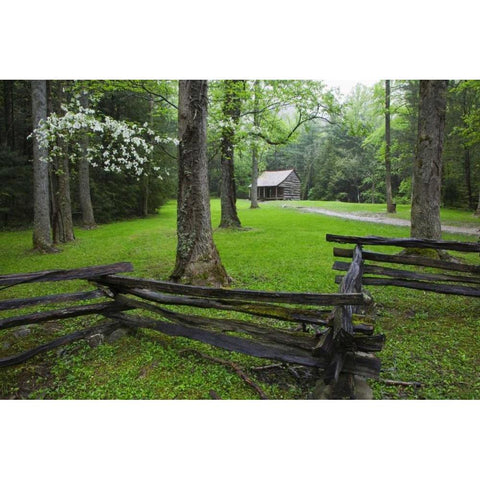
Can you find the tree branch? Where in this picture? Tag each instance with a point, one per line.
(155, 94)
(167, 153)
(299, 123)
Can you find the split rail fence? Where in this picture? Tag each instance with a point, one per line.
(327, 330)
(430, 274)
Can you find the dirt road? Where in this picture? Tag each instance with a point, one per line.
(379, 218)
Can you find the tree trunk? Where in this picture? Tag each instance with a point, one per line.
(253, 190)
(146, 175)
(197, 261)
(9, 119)
(309, 178)
(468, 177)
(477, 212)
(231, 114)
(41, 212)
(64, 202)
(55, 218)
(62, 221)
(374, 190)
(427, 166)
(145, 194)
(88, 219)
(391, 208)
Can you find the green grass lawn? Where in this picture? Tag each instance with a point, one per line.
(432, 339)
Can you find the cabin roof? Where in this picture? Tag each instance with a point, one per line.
(273, 178)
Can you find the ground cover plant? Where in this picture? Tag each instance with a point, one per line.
(431, 339)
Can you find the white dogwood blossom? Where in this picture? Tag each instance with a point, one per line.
(113, 145)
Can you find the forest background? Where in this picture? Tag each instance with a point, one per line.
(335, 142)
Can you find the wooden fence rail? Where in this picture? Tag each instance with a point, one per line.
(88, 273)
(406, 243)
(74, 310)
(331, 299)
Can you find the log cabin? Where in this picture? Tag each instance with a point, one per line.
(278, 185)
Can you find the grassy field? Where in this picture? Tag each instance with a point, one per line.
(431, 339)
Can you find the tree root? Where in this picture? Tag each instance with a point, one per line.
(267, 367)
(233, 366)
(401, 383)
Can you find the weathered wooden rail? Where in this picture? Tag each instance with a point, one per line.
(341, 344)
(73, 310)
(435, 276)
(436, 273)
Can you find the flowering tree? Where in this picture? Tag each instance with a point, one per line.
(113, 145)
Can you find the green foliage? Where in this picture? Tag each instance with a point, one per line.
(461, 158)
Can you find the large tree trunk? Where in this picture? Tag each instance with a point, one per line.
(197, 261)
(41, 212)
(427, 166)
(88, 219)
(391, 208)
(253, 190)
(231, 113)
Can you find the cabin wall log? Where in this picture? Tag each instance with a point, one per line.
(291, 187)
(288, 189)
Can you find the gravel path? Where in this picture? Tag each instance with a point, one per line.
(378, 218)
